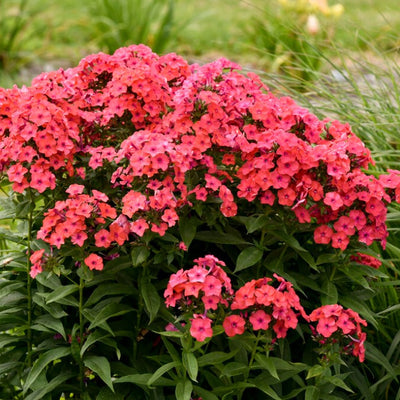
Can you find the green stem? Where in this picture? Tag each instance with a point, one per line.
(251, 362)
(253, 353)
(138, 315)
(81, 327)
(333, 272)
(29, 286)
(279, 266)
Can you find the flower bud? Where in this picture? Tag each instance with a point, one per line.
(312, 25)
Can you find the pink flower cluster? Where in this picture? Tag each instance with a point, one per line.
(150, 121)
(206, 281)
(203, 289)
(334, 318)
(269, 305)
(75, 217)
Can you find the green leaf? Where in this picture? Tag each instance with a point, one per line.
(142, 379)
(108, 289)
(151, 299)
(139, 255)
(268, 364)
(329, 293)
(312, 393)
(335, 380)
(5, 340)
(219, 238)
(268, 390)
(101, 367)
(214, 358)
(254, 224)
(49, 387)
(161, 371)
(190, 363)
(373, 354)
(9, 288)
(204, 394)
(292, 242)
(94, 337)
(315, 370)
(50, 322)
(248, 257)
(9, 366)
(42, 362)
(329, 258)
(23, 208)
(171, 349)
(61, 293)
(234, 368)
(187, 229)
(176, 334)
(109, 311)
(49, 280)
(53, 309)
(107, 394)
(183, 390)
(10, 320)
(233, 387)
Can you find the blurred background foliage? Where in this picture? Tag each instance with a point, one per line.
(37, 35)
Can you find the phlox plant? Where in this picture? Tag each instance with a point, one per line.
(177, 231)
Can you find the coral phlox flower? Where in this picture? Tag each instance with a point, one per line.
(333, 200)
(323, 234)
(326, 326)
(200, 327)
(197, 274)
(234, 325)
(260, 320)
(93, 261)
